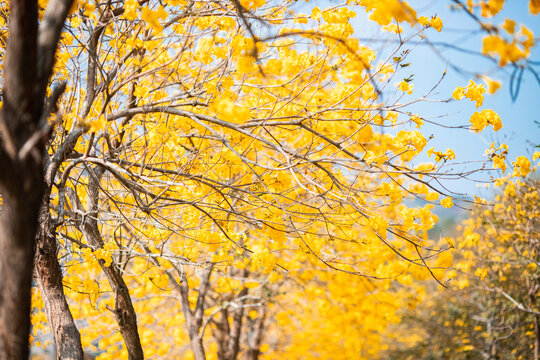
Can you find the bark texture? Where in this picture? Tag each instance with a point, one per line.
(24, 132)
(49, 276)
(21, 180)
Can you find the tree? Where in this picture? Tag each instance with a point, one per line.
(28, 65)
(492, 313)
(188, 162)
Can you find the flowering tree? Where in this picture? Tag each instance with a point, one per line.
(193, 162)
(492, 313)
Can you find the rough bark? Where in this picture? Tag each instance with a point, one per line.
(17, 231)
(23, 135)
(20, 181)
(49, 277)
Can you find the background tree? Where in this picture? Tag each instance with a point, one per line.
(492, 314)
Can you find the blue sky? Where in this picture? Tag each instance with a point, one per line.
(519, 129)
(519, 132)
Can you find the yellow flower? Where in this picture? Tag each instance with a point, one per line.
(475, 92)
(509, 25)
(458, 93)
(534, 6)
(449, 154)
(480, 120)
(499, 162)
(130, 9)
(417, 120)
(97, 124)
(447, 202)
(316, 13)
(491, 7)
(522, 166)
(424, 21)
(152, 18)
(493, 85)
(253, 314)
(405, 87)
(481, 273)
(436, 23)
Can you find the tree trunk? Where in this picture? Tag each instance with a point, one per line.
(124, 312)
(17, 232)
(194, 318)
(21, 180)
(49, 276)
(255, 337)
(28, 64)
(197, 348)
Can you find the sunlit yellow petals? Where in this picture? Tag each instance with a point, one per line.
(534, 6)
(493, 85)
(439, 155)
(481, 273)
(480, 120)
(97, 124)
(473, 91)
(251, 284)
(445, 259)
(253, 314)
(417, 120)
(491, 7)
(459, 93)
(252, 4)
(509, 25)
(230, 111)
(316, 13)
(153, 18)
(301, 20)
(384, 11)
(130, 9)
(522, 166)
(406, 87)
(447, 202)
(436, 23)
(424, 21)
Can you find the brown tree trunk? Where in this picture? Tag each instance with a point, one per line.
(27, 68)
(49, 277)
(255, 337)
(17, 232)
(124, 312)
(228, 335)
(21, 180)
(194, 318)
